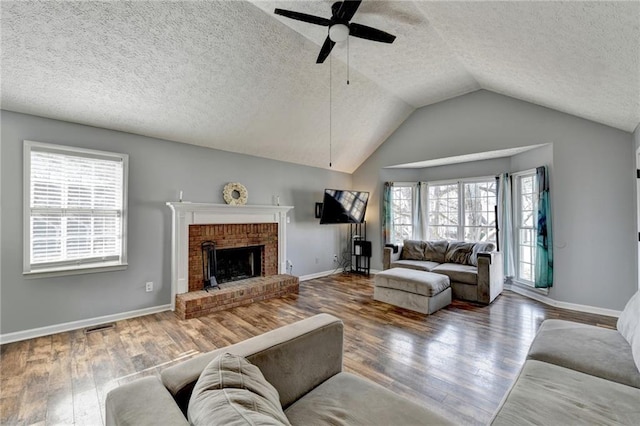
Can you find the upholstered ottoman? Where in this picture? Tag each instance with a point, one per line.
(419, 291)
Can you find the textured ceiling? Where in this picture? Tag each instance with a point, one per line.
(232, 75)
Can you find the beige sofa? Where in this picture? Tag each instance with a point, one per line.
(474, 269)
(574, 374)
(579, 374)
(302, 361)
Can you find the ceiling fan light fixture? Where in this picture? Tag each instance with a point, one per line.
(338, 32)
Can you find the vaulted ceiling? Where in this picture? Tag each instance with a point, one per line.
(234, 76)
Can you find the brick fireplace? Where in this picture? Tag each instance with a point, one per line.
(227, 236)
(229, 227)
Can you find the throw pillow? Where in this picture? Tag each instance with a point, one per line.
(459, 252)
(232, 391)
(413, 250)
(635, 348)
(435, 250)
(479, 248)
(629, 319)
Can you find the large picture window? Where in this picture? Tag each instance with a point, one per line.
(463, 210)
(75, 209)
(479, 210)
(443, 211)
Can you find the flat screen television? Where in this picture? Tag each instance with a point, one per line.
(343, 206)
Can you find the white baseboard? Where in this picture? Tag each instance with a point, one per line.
(327, 273)
(74, 325)
(320, 274)
(564, 305)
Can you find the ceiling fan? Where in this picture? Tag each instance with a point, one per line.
(339, 26)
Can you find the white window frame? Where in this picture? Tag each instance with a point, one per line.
(517, 216)
(78, 266)
(461, 216)
(393, 224)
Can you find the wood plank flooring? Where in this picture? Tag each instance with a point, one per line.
(459, 362)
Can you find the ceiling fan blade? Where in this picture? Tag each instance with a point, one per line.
(348, 9)
(326, 49)
(303, 17)
(362, 31)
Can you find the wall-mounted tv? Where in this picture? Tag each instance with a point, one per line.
(343, 206)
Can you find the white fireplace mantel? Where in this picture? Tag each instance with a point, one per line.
(185, 214)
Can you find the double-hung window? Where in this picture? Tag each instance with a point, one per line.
(525, 211)
(75, 209)
(401, 213)
(462, 210)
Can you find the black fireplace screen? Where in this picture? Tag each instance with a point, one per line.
(231, 264)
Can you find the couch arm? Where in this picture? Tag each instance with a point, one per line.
(388, 256)
(142, 402)
(490, 276)
(294, 359)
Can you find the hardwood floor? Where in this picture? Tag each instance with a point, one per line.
(459, 362)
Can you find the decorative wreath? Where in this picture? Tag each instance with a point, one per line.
(235, 194)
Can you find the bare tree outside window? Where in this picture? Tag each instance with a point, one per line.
(479, 211)
(401, 214)
(443, 211)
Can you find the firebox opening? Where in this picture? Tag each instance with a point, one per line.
(240, 263)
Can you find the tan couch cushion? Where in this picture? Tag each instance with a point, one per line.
(460, 273)
(546, 394)
(459, 252)
(435, 250)
(412, 281)
(420, 265)
(597, 351)
(412, 250)
(346, 399)
(231, 390)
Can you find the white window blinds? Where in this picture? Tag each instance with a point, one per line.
(76, 206)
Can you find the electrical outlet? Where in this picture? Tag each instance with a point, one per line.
(149, 286)
(335, 258)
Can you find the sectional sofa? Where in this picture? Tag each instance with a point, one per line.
(474, 269)
(574, 374)
(579, 374)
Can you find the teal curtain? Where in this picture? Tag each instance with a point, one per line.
(386, 212)
(506, 238)
(544, 236)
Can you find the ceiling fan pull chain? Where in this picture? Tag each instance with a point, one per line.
(330, 101)
(347, 61)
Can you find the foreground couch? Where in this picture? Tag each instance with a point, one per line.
(302, 361)
(474, 269)
(579, 374)
(574, 374)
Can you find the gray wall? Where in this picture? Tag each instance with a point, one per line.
(158, 169)
(593, 192)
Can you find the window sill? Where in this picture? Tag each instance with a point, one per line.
(74, 270)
